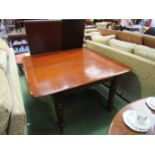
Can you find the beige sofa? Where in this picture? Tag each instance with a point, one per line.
(141, 82)
(12, 112)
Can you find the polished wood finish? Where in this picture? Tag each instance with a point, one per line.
(112, 92)
(129, 37)
(48, 35)
(62, 72)
(44, 35)
(149, 41)
(118, 127)
(59, 109)
(73, 33)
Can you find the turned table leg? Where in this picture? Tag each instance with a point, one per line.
(59, 112)
(112, 92)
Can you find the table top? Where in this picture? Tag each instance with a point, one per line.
(59, 71)
(119, 128)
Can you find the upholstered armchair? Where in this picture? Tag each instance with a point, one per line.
(12, 112)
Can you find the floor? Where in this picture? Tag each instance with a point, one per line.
(85, 112)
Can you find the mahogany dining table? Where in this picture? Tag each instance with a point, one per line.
(61, 72)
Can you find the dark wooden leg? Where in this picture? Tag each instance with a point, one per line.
(59, 112)
(112, 92)
(20, 66)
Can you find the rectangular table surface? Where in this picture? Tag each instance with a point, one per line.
(59, 71)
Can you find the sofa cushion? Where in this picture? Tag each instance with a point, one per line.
(91, 34)
(101, 25)
(145, 52)
(122, 45)
(102, 39)
(5, 103)
(4, 46)
(91, 30)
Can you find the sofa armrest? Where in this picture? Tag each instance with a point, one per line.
(5, 103)
(17, 123)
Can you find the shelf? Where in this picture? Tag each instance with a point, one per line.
(20, 45)
(16, 53)
(90, 26)
(16, 35)
(10, 25)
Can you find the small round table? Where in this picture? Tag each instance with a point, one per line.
(118, 126)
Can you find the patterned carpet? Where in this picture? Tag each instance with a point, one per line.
(85, 112)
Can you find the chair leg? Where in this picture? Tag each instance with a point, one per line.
(20, 67)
